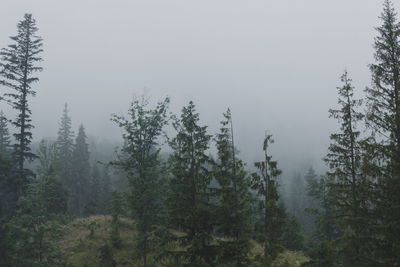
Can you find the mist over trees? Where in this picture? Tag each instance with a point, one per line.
(185, 192)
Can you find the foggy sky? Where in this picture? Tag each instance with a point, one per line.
(276, 64)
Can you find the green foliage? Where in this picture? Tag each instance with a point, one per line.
(47, 155)
(143, 167)
(383, 118)
(37, 225)
(233, 213)
(271, 220)
(17, 66)
(94, 194)
(106, 257)
(189, 203)
(78, 192)
(347, 184)
(5, 141)
(292, 237)
(64, 147)
(117, 210)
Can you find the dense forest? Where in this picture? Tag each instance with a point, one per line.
(184, 196)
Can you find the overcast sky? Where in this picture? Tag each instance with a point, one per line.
(276, 64)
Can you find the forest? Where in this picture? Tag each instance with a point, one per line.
(173, 193)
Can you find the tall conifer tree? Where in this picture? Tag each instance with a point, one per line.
(80, 174)
(234, 211)
(189, 204)
(383, 100)
(65, 145)
(17, 67)
(347, 181)
(272, 214)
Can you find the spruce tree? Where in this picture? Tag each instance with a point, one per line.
(141, 162)
(189, 203)
(383, 116)
(265, 183)
(347, 180)
(17, 67)
(65, 145)
(78, 194)
(234, 211)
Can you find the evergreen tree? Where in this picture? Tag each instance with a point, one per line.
(93, 205)
(292, 237)
(266, 185)
(7, 204)
(78, 194)
(310, 204)
(189, 203)
(47, 155)
(141, 162)
(347, 181)
(324, 251)
(383, 116)
(37, 226)
(65, 145)
(234, 212)
(17, 67)
(5, 142)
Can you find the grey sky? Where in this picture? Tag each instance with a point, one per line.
(275, 63)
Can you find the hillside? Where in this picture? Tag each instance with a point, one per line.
(83, 249)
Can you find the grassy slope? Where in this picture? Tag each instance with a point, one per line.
(82, 249)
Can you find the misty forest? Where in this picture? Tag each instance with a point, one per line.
(171, 191)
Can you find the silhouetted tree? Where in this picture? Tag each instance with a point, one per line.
(17, 66)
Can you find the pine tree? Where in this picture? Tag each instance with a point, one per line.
(17, 66)
(266, 185)
(5, 142)
(141, 162)
(347, 180)
(189, 203)
(234, 212)
(65, 145)
(383, 100)
(78, 194)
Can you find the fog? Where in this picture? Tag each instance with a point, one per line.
(276, 64)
